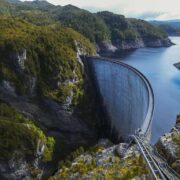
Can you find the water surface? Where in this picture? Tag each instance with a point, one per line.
(157, 65)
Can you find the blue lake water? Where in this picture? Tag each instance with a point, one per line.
(157, 65)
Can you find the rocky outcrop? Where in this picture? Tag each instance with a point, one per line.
(17, 62)
(59, 120)
(18, 59)
(21, 168)
(81, 51)
(105, 161)
(128, 45)
(15, 169)
(169, 146)
(108, 47)
(177, 65)
(9, 87)
(158, 43)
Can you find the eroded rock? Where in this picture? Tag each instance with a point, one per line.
(169, 146)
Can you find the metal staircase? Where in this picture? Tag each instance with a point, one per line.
(156, 163)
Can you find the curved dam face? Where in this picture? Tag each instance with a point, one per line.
(125, 95)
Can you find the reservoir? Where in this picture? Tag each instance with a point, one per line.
(157, 65)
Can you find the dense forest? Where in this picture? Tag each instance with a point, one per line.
(102, 27)
(51, 53)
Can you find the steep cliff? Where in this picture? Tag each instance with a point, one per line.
(169, 146)
(42, 76)
(130, 33)
(111, 32)
(24, 147)
(122, 161)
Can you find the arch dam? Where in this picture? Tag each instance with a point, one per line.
(125, 95)
(127, 99)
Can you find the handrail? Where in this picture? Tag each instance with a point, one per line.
(166, 169)
(165, 163)
(155, 151)
(148, 161)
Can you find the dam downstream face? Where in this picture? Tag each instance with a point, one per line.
(125, 94)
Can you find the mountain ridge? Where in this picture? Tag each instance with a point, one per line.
(117, 33)
(172, 27)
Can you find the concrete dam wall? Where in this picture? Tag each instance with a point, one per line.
(125, 94)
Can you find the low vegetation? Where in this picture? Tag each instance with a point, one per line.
(88, 164)
(20, 135)
(175, 164)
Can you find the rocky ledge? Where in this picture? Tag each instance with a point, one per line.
(107, 47)
(104, 161)
(121, 161)
(177, 65)
(169, 146)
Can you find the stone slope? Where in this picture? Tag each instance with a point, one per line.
(169, 146)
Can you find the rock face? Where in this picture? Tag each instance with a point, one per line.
(169, 146)
(104, 162)
(20, 167)
(159, 43)
(16, 169)
(61, 120)
(128, 45)
(9, 87)
(18, 59)
(107, 47)
(177, 65)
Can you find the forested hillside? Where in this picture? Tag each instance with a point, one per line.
(107, 30)
(41, 83)
(51, 53)
(171, 27)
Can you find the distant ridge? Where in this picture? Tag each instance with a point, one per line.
(13, 1)
(172, 27)
(108, 31)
